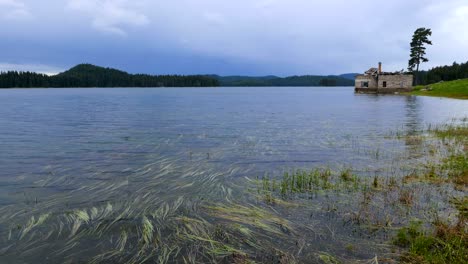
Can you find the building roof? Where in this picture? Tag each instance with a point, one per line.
(396, 73)
(375, 72)
(372, 71)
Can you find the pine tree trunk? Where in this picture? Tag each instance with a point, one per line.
(416, 75)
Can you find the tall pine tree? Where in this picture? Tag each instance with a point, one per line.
(418, 49)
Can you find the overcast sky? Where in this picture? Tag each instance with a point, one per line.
(249, 37)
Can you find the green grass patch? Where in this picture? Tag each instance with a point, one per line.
(453, 89)
(455, 138)
(447, 244)
(302, 181)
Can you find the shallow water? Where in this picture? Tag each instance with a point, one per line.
(126, 153)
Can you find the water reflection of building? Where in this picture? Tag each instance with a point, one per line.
(414, 121)
(413, 126)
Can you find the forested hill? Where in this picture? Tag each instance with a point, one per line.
(306, 80)
(87, 75)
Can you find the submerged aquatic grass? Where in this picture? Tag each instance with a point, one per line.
(388, 200)
(303, 181)
(455, 139)
(169, 213)
(147, 231)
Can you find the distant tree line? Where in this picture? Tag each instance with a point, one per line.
(306, 80)
(443, 73)
(12, 79)
(87, 75)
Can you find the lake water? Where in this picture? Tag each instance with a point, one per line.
(83, 170)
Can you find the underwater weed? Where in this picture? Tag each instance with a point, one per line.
(252, 216)
(147, 230)
(122, 241)
(164, 255)
(406, 197)
(392, 182)
(32, 223)
(461, 204)
(376, 182)
(457, 167)
(328, 259)
(82, 215)
(346, 175)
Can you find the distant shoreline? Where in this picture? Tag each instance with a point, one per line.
(88, 76)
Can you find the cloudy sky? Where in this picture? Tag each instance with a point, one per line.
(250, 37)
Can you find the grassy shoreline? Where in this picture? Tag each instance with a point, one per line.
(427, 236)
(453, 89)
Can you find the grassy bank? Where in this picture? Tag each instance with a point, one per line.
(453, 89)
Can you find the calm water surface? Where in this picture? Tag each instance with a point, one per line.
(128, 152)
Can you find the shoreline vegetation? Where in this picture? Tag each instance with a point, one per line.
(421, 233)
(87, 76)
(457, 89)
(322, 215)
(291, 81)
(444, 81)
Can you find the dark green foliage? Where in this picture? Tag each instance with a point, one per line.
(418, 50)
(328, 82)
(443, 73)
(13, 79)
(307, 80)
(87, 75)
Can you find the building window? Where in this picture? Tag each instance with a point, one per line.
(365, 84)
(384, 84)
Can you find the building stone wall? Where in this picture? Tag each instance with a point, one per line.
(395, 81)
(382, 90)
(371, 80)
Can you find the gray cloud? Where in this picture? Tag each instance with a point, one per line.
(30, 67)
(110, 16)
(232, 37)
(13, 10)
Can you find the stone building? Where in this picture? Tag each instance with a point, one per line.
(376, 81)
